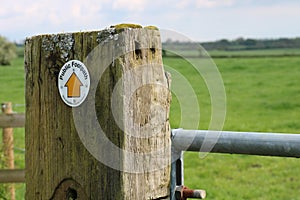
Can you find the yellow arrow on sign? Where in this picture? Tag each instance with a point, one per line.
(73, 85)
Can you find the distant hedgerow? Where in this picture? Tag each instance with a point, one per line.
(8, 51)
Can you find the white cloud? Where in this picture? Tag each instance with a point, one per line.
(52, 10)
(133, 5)
(213, 3)
(183, 3)
(20, 18)
(278, 10)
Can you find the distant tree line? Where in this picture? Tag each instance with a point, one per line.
(251, 44)
(237, 44)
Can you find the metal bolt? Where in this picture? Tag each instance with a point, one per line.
(183, 192)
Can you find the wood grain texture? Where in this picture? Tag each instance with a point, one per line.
(13, 120)
(12, 176)
(136, 122)
(8, 147)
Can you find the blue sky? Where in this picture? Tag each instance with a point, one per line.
(199, 20)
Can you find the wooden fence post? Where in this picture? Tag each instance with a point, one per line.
(68, 157)
(8, 147)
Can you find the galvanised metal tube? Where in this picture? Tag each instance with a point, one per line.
(251, 143)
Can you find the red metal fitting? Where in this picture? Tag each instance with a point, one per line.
(182, 193)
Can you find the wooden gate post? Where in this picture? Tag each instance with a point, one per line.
(122, 151)
(8, 147)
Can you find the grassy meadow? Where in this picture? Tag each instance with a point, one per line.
(263, 95)
(12, 90)
(291, 52)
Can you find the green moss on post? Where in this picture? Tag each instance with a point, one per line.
(121, 27)
(151, 28)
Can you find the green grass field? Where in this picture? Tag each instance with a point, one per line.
(12, 90)
(241, 53)
(263, 94)
(258, 52)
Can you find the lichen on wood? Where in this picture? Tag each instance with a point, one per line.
(106, 34)
(62, 43)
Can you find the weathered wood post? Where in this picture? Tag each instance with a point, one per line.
(116, 144)
(8, 147)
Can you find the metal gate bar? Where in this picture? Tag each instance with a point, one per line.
(251, 143)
